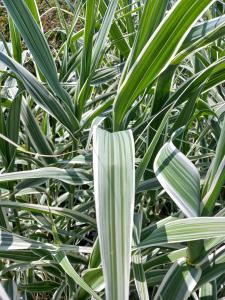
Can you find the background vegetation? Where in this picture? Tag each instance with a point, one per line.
(112, 144)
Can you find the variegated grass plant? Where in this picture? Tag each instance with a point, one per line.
(112, 151)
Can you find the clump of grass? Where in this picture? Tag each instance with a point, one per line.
(112, 150)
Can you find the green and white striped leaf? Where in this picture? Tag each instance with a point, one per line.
(32, 5)
(207, 39)
(202, 29)
(94, 278)
(43, 209)
(155, 277)
(185, 230)
(37, 44)
(167, 258)
(208, 202)
(114, 183)
(116, 33)
(70, 176)
(11, 242)
(179, 178)
(37, 138)
(15, 41)
(137, 260)
(139, 276)
(99, 46)
(179, 282)
(157, 53)
(212, 266)
(215, 176)
(41, 95)
(208, 291)
(153, 13)
(149, 152)
(211, 76)
(67, 267)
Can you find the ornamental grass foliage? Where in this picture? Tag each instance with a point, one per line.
(112, 149)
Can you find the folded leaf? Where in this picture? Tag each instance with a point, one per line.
(179, 178)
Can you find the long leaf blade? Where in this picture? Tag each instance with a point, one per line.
(70, 176)
(113, 155)
(184, 230)
(41, 95)
(36, 43)
(157, 53)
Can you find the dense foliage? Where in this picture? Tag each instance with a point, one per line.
(112, 149)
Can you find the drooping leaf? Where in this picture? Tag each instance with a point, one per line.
(179, 178)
